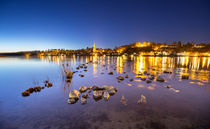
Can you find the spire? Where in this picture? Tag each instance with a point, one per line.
(94, 47)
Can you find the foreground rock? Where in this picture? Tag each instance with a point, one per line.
(85, 96)
(98, 88)
(112, 91)
(83, 89)
(83, 100)
(97, 94)
(73, 96)
(106, 95)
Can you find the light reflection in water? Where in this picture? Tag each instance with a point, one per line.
(196, 67)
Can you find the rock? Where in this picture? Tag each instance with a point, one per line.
(124, 72)
(148, 81)
(85, 70)
(43, 87)
(77, 67)
(85, 67)
(83, 100)
(160, 79)
(106, 95)
(98, 88)
(112, 91)
(72, 101)
(167, 72)
(81, 66)
(81, 75)
(83, 89)
(151, 78)
(30, 90)
(120, 78)
(108, 87)
(50, 84)
(143, 79)
(131, 79)
(85, 96)
(74, 95)
(142, 99)
(46, 81)
(97, 94)
(168, 86)
(90, 87)
(126, 76)
(25, 93)
(37, 88)
(119, 81)
(110, 73)
(185, 76)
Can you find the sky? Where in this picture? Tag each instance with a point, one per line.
(47, 24)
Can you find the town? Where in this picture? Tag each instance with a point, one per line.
(136, 48)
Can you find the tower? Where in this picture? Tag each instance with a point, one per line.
(94, 47)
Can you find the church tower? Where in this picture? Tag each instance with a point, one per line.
(94, 47)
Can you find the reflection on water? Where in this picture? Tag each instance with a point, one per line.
(175, 103)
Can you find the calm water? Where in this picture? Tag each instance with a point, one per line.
(186, 105)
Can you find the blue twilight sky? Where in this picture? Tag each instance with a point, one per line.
(34, 24)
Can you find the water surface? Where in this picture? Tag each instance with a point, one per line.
(183, 106)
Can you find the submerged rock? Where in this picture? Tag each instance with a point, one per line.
(160, 79)
(131, 79)
(123, 101)
(142, 99)
(110, 73)
(106, 95)
(83, 89)
(126, 76)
